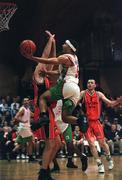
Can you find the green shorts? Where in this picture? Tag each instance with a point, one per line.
(21, 140)
(56, 91)
(68, 134)
(56, 94)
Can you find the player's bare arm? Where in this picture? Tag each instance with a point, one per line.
(109, 102)
(48, 50)
(55, 72)
(48, 47)
(55, 61)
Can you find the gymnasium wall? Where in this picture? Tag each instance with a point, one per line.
(111, 80)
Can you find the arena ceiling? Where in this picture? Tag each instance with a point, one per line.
(75, 19)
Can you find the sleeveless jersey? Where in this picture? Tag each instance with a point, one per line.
(92, 105)
(24, 128)
(57, 110)
(70, 74)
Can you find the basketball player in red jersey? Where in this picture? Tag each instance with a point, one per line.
(92, 100)
(50, 132)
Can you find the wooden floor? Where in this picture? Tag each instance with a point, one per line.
(22, 170)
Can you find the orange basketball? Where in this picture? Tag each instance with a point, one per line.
(28, 47)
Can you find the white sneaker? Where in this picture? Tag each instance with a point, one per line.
(110, 164)
(22, 156)
(75, 155)
(18, 157)
(26, 157)
(101, 168)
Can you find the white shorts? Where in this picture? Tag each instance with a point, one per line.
(72, 91)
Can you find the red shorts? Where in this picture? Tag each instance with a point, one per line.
(48, 131)
(95, 131)
(39, 134)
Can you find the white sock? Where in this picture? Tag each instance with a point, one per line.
(98, 161)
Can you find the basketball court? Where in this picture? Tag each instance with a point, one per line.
(18, 170)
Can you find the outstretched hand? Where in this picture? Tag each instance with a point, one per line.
(26, 55)
(50, 35)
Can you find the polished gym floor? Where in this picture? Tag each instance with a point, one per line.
(22, 170)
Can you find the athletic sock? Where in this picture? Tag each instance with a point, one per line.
(108, 157)
(98, 161)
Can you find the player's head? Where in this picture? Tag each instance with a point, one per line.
(26, 101)
(91, 84)
(70, 46)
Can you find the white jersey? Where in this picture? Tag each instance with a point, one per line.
(70, 74)
(24, 126)
(58, 118)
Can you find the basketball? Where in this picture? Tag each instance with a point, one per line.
(28, 47)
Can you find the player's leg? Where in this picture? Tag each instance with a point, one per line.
(30, 148)
(51, 95)
(99, 133)
(90, 137)
(83, 157)
(19, 143)
(56, 167)
(70, 147)
(46, 157)
(52, 141)
(105, 147)
(71, 94)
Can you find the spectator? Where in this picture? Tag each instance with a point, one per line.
(3, 106)
(8, 100)
(78, 138)
(114, 138)
(8, 117)
(14, 107)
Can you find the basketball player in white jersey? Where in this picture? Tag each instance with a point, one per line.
(25, 136)
(66, 87)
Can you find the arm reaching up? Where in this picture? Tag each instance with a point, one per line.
(40, 68)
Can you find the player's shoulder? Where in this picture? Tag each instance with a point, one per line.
(100, 94)
(22, 108)
(82, 93)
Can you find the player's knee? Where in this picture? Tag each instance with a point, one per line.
(68, 107)
(42, 97)
(91, 144)
(42, 100)
(65, 116)
(102, 143)
(58, 145)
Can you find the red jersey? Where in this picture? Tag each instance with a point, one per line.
(42, 132)
(93, 105)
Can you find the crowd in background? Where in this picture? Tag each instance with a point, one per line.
(110, 118)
